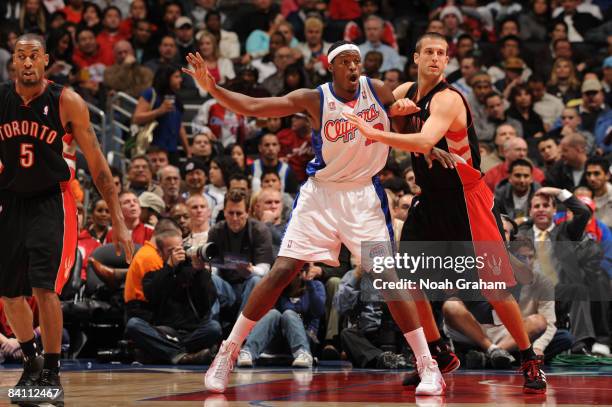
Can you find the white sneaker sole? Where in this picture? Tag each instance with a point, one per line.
(436, 392)
(213, 389)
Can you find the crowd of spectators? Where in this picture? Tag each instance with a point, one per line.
(537, 76)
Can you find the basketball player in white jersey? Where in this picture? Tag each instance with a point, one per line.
(341, 202)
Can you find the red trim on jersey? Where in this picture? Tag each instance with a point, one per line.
(69, 241)
(488, 241)
(45, 86)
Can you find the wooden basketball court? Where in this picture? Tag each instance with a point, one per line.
(91, 384)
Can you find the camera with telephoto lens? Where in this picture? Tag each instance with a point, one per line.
(204, 253)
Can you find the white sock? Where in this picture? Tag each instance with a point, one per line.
(417, 341)
(241, 330)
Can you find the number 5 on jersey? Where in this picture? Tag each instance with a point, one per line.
(26, 155)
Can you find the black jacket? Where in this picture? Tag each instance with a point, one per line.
(560, 176)
(583, 22)
(180, 297)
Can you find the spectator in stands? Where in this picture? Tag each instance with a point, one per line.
(195, 180)
(130, 208)
(258, 42)
(283, 57)
(117, 179)
(514, 148)
(151, 208)
(593, 105)
(74, 10)
(126, 75)
(158, 158)
(496, 115)
(170, 183)
(171, 11)
(295, 319)
(202, 145)
(571, 123)
(521, 109)
(240, 181)
(534, 23)
(229, 46)
(92, 18)
(265, 64)
(372, 63)
(110, 34)
(512, 196)
(269, 150)
(314, 50)
(271, 179)
(236, 151)
(140, 176)
(481, 87)
(179, 297)
(168, 54)
(180, 214)
(452, 18)
(257, 17)
(227, 126)
(220, 68)
(33, 18)
(100, 220)
(549, 151)
(200, 12)
(219, 173)
(89, 54)
(161, 102)
(144, 49)
(355, 30)
(469, 65)
(564, 267)
(465, 46)
(578, 22)
(393, 78)
(184, 35)
(60, 49)
(563, 82)
(10, 349)
(374, 30)
(503, 133)
(199, 221)
(245, 246)
(371, 327)
(568, 173)
(138, 11)
(509, 47)
(294, 78)
(300, 13)
(295, 145)
(268, 210)
(86, 243)
(549, 107)
(404, 203)
(597, 173)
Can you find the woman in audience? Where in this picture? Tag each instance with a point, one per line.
(167, 109)
(236, 151)
(521, 109)
(220, 68)
(33, 18)
(92, 18)
(534, 23)
(59, 48)
(563, 81)
(100, 220)
(221, 168)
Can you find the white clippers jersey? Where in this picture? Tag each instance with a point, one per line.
(341, 153)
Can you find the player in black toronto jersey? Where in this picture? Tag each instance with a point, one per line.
(41, 124)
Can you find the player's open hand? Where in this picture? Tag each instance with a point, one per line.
(200, 72)
(364, 128)
(403, 107)
(123, 239)
(446, 159)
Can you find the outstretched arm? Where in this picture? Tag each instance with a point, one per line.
(443, 112)
(295, 102)
(76, 116)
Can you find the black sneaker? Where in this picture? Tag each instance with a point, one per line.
(475, 359)
(500, 359)
(535, 379)
(51, 379)
(447, 362)
(29, 378)
(390, 360)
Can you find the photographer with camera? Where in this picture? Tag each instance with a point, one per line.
(170, 315)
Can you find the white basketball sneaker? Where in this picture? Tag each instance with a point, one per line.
(432, 383)
(218, 372)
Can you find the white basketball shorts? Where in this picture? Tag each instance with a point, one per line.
(326, 214)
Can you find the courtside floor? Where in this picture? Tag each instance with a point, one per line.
(92, 384)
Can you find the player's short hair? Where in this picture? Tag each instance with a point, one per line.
(32, 37)
(432, 36)
(519, 162)
(601, 162)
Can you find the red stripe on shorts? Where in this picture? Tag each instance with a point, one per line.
(69, 241)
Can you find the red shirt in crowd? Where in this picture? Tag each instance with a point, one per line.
(5, 328)
(108, 40)
(500, 172)
(344, 9)
(103, 56)
(297, 150)
(140, 234)
(86, 244)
